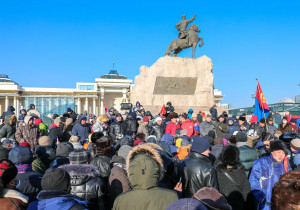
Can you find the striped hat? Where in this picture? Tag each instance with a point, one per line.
(79, 156)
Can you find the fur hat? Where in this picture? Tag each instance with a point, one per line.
(230, 155)
(102, 146)
(8, 171)
(242, 118)
(277, 145)
(295, 144)
(45, 141)
(173, 115)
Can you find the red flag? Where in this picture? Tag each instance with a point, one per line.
(261, 98)
(105, 108)
(163, 111)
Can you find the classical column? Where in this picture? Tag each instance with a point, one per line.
(15, 103)
(18, 108)
(42, 105)
(6, 103)
(94, 106)
(87, 105)
(78, 106)
(101, 98)
(124, 91)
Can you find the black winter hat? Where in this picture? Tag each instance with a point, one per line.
(277, 145)
(56, 179)
(230, 155)
(8, 171)
(241, 137)
(64, 149)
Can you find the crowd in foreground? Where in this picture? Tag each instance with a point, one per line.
(144, 161)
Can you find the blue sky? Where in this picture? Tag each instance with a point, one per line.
(58, 43)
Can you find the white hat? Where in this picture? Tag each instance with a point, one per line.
(157, 119)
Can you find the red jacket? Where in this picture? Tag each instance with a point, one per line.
(171, 128)
(187, 125)
(195, 124)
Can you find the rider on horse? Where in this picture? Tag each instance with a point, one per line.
(182, 27)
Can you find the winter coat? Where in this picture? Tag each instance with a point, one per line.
(158, 131)
(170, 140)
(81, 130)
(205, 127)
(171, 128)
(99, 127)
(183, 151)
(55, 132)
(59, 161)
(247, 156)
(244, 127)
(73, 115)
(296, 158)
(144, 168)
(43, 129)
(214, 113)
(57, 200)
(10, 111)
(13, 200)
(196, 128)
(30, 184)
(103, 165)
(143, 129)
(272, 129)
(86, 184)
(235, 189)
(46, 154)
(187, 125)
(225, 129)
(195, 172)
(199, 118)
(67, 132)
(287, 128)
(117, 129)
(28, 133)
(265, 173)
(130, 124)
(277, 117)
(9, 129)
(34, 113)
(216, 150)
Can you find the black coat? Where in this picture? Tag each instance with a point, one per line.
(214, 113)
(86, 184)
(130, 125)
(10, 111)
(46, 154)
(116, 129)
(55, 131)
(103, 165)
(158, 131)
(196, 172)
(9, 129)
(67, 132)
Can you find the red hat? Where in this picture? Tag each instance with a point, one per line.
(38, 121)
(25, 144)
(137, 142)
(145, 119)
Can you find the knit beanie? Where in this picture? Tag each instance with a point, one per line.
(56, 179)
(295, 144)
(38, 121)
(45, 141)
(200, 144)
(124, 151)
(79, 156)
(241, 137)
(63, 149)
(145, 119)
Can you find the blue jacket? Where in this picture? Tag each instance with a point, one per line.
(190, 112)
(81, 130)
(170, 140)
(265, 173)
(296, 158)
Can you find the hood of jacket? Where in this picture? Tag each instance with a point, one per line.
(10, 108)
(12, 119)
(168, 138)
(23, 110)
(144, 167)
(81, 117)
(27, 118)
(81, 173)
(20, 155)
(9, 193)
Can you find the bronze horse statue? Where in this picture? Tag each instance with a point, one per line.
(191, 40)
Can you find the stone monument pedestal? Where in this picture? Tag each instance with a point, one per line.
(187, 83)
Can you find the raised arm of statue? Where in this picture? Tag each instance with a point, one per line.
(191, 20)
(177, 26)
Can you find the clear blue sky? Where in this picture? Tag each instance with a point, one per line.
(58, 43)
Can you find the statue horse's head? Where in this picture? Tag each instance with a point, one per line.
(194, 27)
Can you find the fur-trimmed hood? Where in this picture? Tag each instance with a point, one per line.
(144, 167)
(230, 155)
(11, 119)
(81, 173)
(9, 193)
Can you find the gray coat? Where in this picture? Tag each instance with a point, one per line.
(205, 127)
(272, 129)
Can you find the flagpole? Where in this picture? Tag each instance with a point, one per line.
(262, 107)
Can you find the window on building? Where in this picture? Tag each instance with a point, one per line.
(86, 87)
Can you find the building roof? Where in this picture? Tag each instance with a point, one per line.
(4, 78)
(113, 74)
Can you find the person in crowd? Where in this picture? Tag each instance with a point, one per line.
(158, 128)
(212, 199)
(74, 140)
(266, 171)
(184, 149)
(288, 116)
(43, 127)
(295, 148)
(173, 125)
(101, 125)
(29, 181)
(138, 107)
(232, 179)
(214, 112)
(82, 128)
(3, 153)
(33, 112)
(131, 124)
(286, 192)
(9, 197)
(143, 126)
(63, 151)
(231, 125)
(186, 203)
(277, 117)
(187, 124)
(242, 125)
(261, 130)
(28, 133)
(118, 180)
(56, 130)
(271, 127)
(200, 116)
(170, 140)
(293, 123)
(9, 129)
(117, 129)
(169, 109)
(196, 171)
(247, 154)
(217, 148)
(85, 179)
(190, 113)
(285, 126)
(72, 114)
(67, 128)
(196, 124)
(222, 126)
(44, 153)
(22, 115)
(56, 193)
(102, 148)
(10, 111)
(254, 124)
(207, 126)
(8, 144)
(144, 168)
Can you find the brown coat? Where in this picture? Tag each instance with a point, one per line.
(287, 128)
(13, 200)
(143, 129)
(28, 134)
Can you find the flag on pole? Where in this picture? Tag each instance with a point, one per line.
(105, 108)
(261, 109)
(163, 111)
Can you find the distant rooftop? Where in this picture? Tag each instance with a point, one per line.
(113, 74)
(4, 78)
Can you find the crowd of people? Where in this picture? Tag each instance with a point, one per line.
(140, 161)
